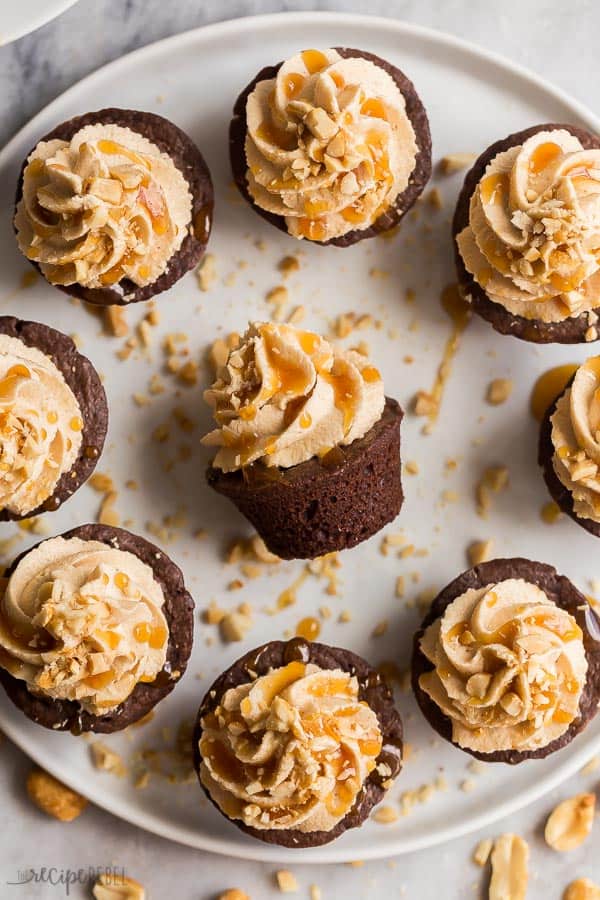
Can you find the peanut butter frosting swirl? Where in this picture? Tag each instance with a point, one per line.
(509, 667)
(40, 426)
(576, 440)
(286, 395)
(291, 749)
(329, 144)
(533, 238)
(106, 205)
(81, 620)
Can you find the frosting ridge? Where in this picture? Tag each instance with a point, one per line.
(40, 426)
(286, 395)
(509, 667)
(81, 620)
(106, 205)
(291, 749)
(533, 238)
(329, 145)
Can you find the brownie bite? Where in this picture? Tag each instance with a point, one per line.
(331, 146)
(114, 206)
(569, 451)
(302, 787)
(506, 664)
(526, 233)
(308, 446)
(96, 627)
(53, 418)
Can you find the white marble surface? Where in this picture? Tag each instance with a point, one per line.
(556, 40)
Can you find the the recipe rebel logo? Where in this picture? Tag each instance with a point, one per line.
(67, 878)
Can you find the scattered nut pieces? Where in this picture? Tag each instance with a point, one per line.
(115, 322)
(478, 552)
(206, 273)
(493, 480)
(454, 162)
(111, 886)
(498, 391)
(235, 625)
(101, 483)
(570, 823)
(107, 514)
(286, 881)
(411, 467)
(435, 198)
(385, 815)
(288, 264)
(591, 766)
(582, 889)
(482, 851)
(234, 894)
(550, 512)
(279, 298)
(53, 797)
(424, 404)
(509, 868)
(107, 759)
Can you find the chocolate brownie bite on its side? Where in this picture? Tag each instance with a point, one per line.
(526, 247)
(332, 776)
(53, 418)
(569, 451)
(114, 206)
(332, 146)
(506, 664)
(105, 670)
(308, 446)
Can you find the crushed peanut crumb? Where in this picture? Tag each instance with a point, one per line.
(454, 162)
(206, 273)
(498, 391)
(479, 552)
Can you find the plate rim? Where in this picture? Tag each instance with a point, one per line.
(38, 21)
(153, 823)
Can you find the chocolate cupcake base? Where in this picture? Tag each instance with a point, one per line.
(84, 382)
(67, 715)
(558, 589)
(187, 158)
(403, 202)
(559, 493)
(372, 689)
(320, 506)
(569, 331)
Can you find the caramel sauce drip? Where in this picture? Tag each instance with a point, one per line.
(293, 85)
(375, 108)
(285, 140)
(548, 387)
(370, 374)
(494, 188)
(343, 394)
(308, 628)
(287, 377)
(201, 224)
(459, 312)
(353, 213)
(314, 60)
(97, 682)
(312, 229)
(153, 635)
(112, 148)
(542, 156)
(19, 371)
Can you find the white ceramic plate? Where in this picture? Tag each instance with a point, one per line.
(472, 98)
(23, 17)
